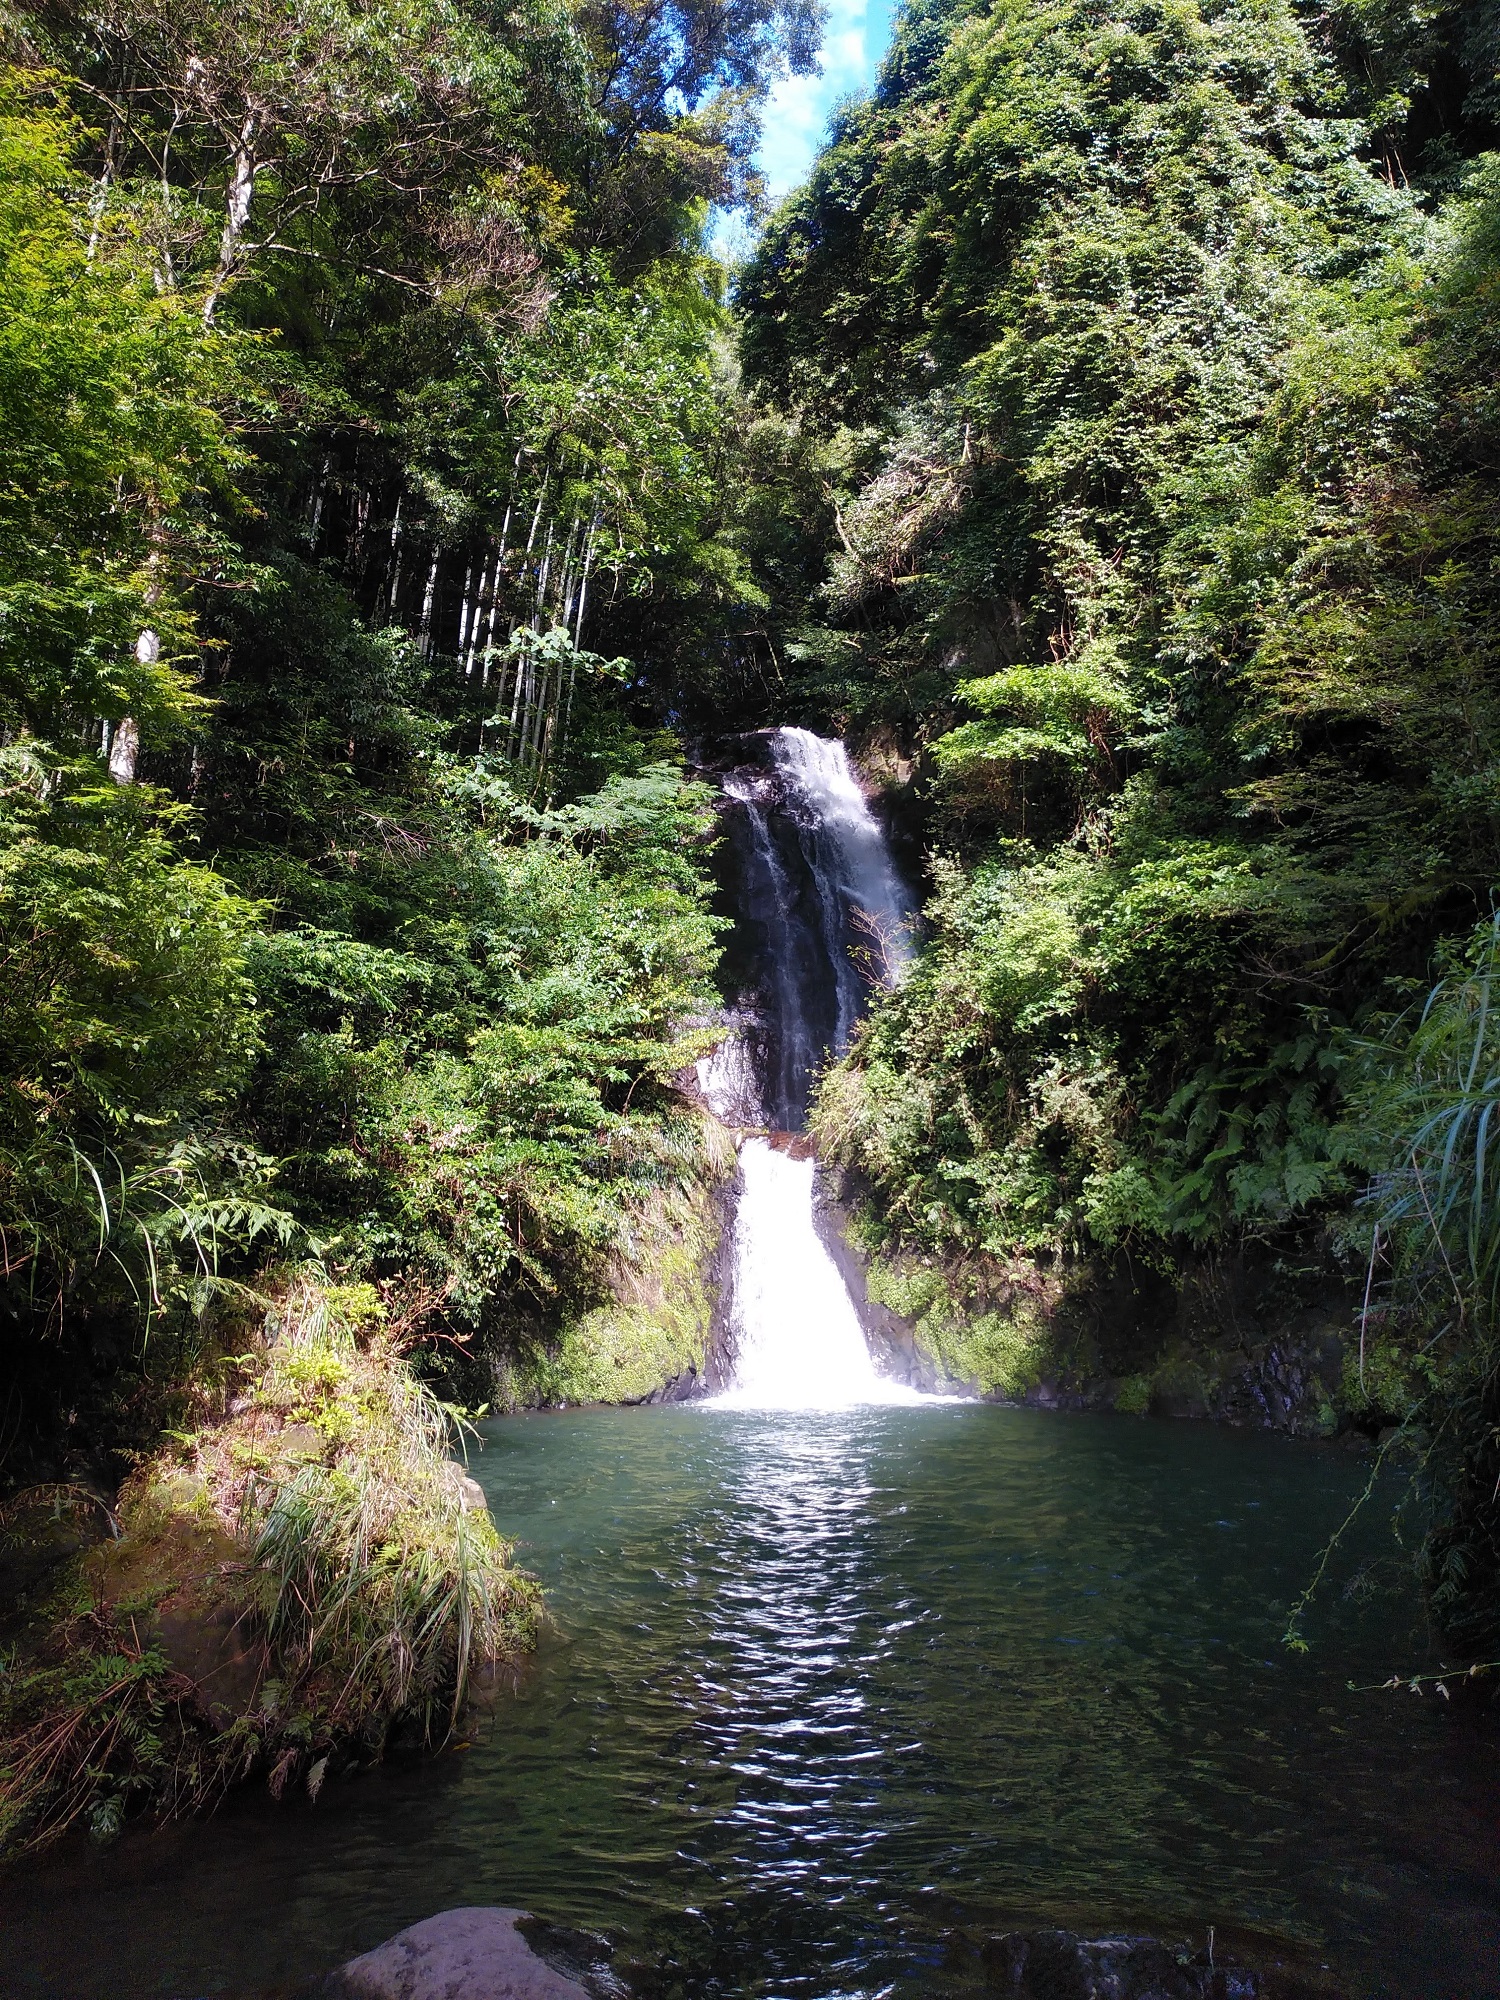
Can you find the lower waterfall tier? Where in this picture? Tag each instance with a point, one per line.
(799, 1344)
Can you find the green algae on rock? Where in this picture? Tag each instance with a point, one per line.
(653, 1339)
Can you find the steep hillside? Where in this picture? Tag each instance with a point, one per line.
(1129, 449)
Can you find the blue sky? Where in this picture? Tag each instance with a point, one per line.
(796, 118)
(854, 40)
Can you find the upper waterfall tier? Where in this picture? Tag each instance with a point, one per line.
(866, 914)
(826, 918)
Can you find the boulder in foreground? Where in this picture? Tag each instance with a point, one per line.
(487, 1954)
(473, 1954)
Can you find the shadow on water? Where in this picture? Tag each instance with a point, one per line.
(826, 1685)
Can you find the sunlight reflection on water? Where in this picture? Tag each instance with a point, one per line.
(826, 1687)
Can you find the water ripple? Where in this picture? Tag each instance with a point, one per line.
(826, 1687)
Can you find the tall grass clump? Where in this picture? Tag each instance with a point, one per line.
(381, 1577)
(304, 1577)
(1429, 1347)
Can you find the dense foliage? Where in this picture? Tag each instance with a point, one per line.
(1112, 427)
(1136, 366)
(362, 408)
(361, 418)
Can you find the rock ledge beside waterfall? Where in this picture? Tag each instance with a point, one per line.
(1240, 1341)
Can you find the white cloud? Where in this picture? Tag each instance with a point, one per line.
(855, 37)
(854, 40)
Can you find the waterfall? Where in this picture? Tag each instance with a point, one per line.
(859, 893)
(799, 1343)
(831, 920)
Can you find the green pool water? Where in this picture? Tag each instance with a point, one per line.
(830, 1692)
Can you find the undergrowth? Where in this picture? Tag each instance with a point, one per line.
(290, 1587)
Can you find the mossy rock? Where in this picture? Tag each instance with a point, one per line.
(997, 1350)
(654, 1335)
(1132, 1397)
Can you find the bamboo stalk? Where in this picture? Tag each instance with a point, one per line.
(317, 507)
(425, 628)
(537, 516)
(540, 593)
(489, 629)
(538, 718)
(566, 584)
(463, 611)
(583, 591)
(393, 569)
(518, 696)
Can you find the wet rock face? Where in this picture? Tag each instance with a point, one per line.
(476, 1954)
(1237, 1340)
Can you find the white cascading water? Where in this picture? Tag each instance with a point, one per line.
(800, 1345)
(798, 1341)
(851, 861)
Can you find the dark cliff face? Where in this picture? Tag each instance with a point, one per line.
(777, 964)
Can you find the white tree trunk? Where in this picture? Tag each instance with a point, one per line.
(125, 745)
(425, 628)
(243, 166)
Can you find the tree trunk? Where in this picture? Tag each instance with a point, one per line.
(125, 745)
(583, 591)
(461, 651)
(124, 748)
(425, 628)
(243, 166)
(540, 596)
